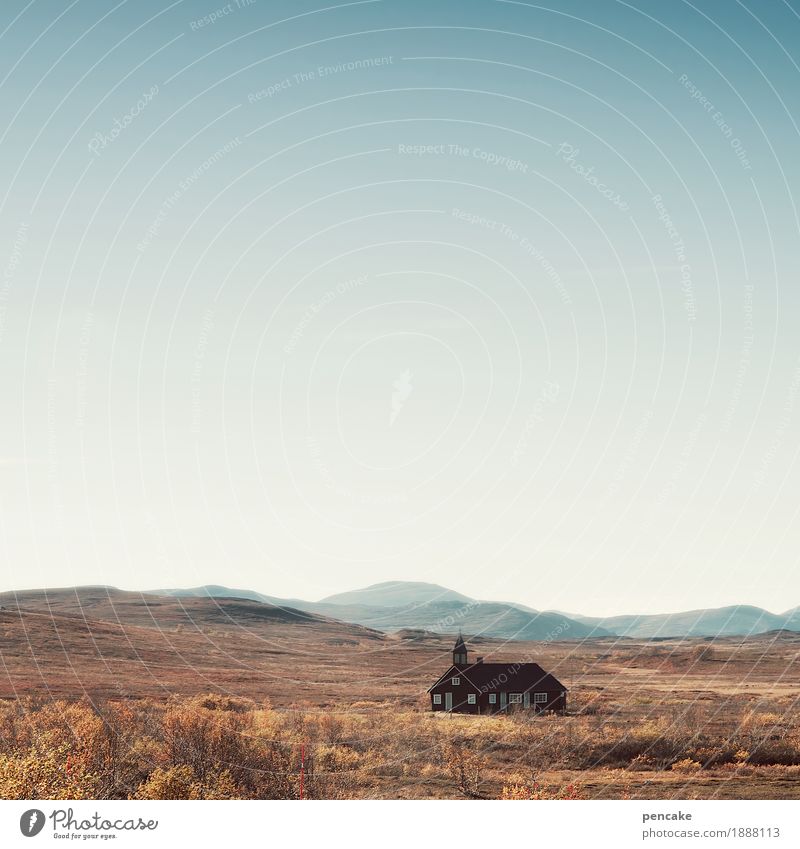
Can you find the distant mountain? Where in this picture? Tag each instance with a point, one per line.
(398, 594)
(391, 607)
(484, 618)
(398, 605)
(791, 619)
(738, 620)
(217, 591)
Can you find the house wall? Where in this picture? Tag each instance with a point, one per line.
(460, 693)
(557, 701)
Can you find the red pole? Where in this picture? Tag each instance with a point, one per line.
(302, 768)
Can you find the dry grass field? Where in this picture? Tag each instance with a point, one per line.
(110, 694)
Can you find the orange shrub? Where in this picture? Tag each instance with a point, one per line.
(537, 791)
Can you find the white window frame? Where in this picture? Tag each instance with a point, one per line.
(540, 698)
(456, 681)
(471, 700)
(437, 698)
(492, 698)
(515, 698)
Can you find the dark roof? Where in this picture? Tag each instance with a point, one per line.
(509, 676)
(460, 645)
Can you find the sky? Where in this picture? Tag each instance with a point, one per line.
(499, 295)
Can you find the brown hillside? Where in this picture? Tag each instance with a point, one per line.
(104, 642)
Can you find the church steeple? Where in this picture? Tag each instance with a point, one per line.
(460, 652)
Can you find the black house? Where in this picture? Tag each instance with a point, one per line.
(486, 688)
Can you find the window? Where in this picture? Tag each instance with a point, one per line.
(437, 699)
(515, 698)
(492, 698)
(471, 699)
(456, 681)
(540, 698)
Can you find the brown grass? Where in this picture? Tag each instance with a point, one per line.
(213, 747)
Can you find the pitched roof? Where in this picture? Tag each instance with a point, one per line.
(460, 645)
(512, 677)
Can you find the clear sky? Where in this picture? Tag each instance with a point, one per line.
(301, 297)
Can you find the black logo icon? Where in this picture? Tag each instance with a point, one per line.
(31, 822)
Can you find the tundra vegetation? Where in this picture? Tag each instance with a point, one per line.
(103, 694)
(220, 747)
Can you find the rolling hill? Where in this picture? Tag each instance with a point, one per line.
(398, 594)
(104, 643)
(484, 618)
(400, 605)
(107, 643)
(737, 620)
(397, 605)
(387, 608)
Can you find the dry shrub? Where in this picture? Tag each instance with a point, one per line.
(45, 774)
(701, 653)
(333, 772)
(465, 767)
(586, 704)
(180, 782)
(218, 747)
(642, 763)
(231, 704)
(331, 729)
(222, 739)
(535, 790)
(687, 765)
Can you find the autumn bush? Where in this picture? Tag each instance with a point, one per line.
(221, 747)
(46, 774)
(465, 767)
(534, 790)
(181, 782)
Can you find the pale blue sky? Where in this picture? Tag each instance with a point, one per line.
(301, 297)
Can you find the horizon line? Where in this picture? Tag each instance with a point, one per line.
(571, 615)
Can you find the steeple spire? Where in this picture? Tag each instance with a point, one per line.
(460, 652)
